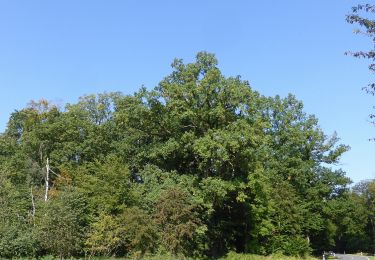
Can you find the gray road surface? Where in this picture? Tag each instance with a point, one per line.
(352, 257)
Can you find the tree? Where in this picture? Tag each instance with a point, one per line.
(197, 122)
(363, 196)
(362, 15)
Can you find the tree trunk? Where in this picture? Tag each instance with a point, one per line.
(47, 181)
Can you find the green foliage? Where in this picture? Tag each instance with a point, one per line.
(179, 223)
(295, 245)
(131, 231)
(16, 233)
(236, 256)
(362, 16)
(17, 239)
(106, 184)
(199, 166)
(60, 224)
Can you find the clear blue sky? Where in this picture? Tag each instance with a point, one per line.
(60, 50)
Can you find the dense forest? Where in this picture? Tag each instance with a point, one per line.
(198, 166)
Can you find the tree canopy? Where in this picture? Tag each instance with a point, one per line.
(198, 166)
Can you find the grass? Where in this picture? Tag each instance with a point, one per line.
(371, 257)
(230, 256)
(235, 256)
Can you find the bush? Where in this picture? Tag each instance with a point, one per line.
(131, 232)
(59, 225)
(291, 245)
(179, 222)
(16, 240)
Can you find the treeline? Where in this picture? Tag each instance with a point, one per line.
(199, 166)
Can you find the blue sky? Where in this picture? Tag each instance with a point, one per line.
(60, 50)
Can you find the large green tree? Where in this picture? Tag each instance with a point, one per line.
(238, 145)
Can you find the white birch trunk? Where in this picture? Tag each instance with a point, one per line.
(47, 181)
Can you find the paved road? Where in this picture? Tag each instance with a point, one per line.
(352, 257)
